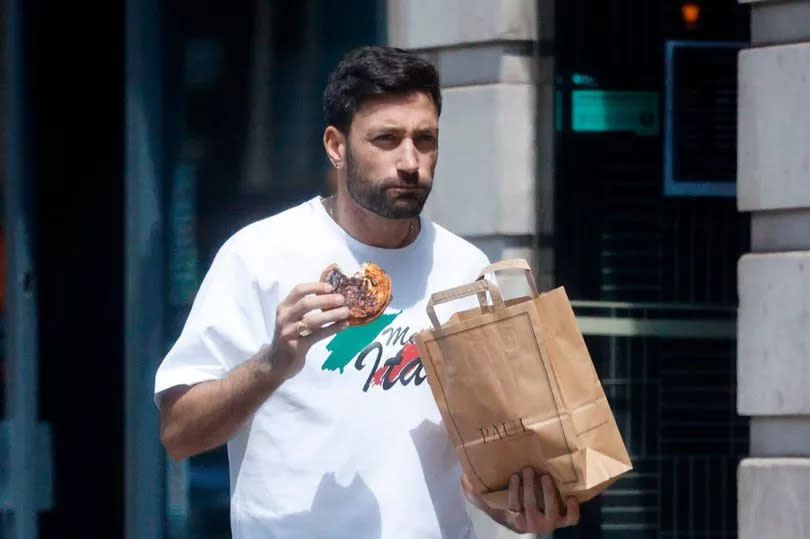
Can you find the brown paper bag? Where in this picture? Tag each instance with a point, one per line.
(516, 387)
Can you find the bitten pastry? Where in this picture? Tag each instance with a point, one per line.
(367, 292)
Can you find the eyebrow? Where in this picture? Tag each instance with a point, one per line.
(399, 130)
(385, 129)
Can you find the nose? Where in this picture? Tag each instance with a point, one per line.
(408, 161)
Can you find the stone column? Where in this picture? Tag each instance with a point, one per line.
(774, 279)
(494, 177)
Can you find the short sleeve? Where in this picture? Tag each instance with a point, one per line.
(227, 324)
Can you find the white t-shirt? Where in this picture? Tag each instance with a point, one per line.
(354, 445)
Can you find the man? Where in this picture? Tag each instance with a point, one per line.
(332, 430)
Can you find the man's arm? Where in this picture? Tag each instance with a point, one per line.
(197, 418)
(206, 415)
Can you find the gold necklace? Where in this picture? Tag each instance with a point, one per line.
(329, 204)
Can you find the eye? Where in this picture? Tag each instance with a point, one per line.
(386, 141)
(427, 142)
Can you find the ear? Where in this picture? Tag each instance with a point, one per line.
(334, 142)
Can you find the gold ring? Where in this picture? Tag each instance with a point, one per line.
(512, 512)
(303, 329)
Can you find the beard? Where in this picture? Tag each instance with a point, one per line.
(381, 197)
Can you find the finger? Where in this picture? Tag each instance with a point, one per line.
(305, 289)
(552, 508)
(533, 514)
(325, 332)
(572, 512)
(324, 302)
(318, 319)
(313, 321)
(513, 496)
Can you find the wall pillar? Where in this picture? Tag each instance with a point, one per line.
(774, 279)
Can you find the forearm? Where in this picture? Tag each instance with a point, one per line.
(208, 414)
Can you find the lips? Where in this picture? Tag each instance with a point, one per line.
(411, 188)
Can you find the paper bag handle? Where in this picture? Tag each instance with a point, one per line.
(512, 263)
(479, 287)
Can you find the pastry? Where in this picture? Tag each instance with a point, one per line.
(367, 292)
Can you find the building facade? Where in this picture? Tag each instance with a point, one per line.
(652, 157)
(774, 324)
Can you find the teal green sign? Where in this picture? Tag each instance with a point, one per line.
(611, 110)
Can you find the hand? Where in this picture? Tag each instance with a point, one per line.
(528, 518)
(307, 315)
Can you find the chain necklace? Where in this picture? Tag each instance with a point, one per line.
(329, 203)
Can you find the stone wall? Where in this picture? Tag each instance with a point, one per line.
(774, 279)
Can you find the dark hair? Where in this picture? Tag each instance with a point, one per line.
(372, 71)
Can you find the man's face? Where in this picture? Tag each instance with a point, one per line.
(391, 153)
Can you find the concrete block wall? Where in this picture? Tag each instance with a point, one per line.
(492, 186)
(774, 279)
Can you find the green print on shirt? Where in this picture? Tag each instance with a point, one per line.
(348, 343)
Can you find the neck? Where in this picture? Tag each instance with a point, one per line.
(368, 227)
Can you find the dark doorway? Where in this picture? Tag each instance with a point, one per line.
(75, 67)
(646, 264)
